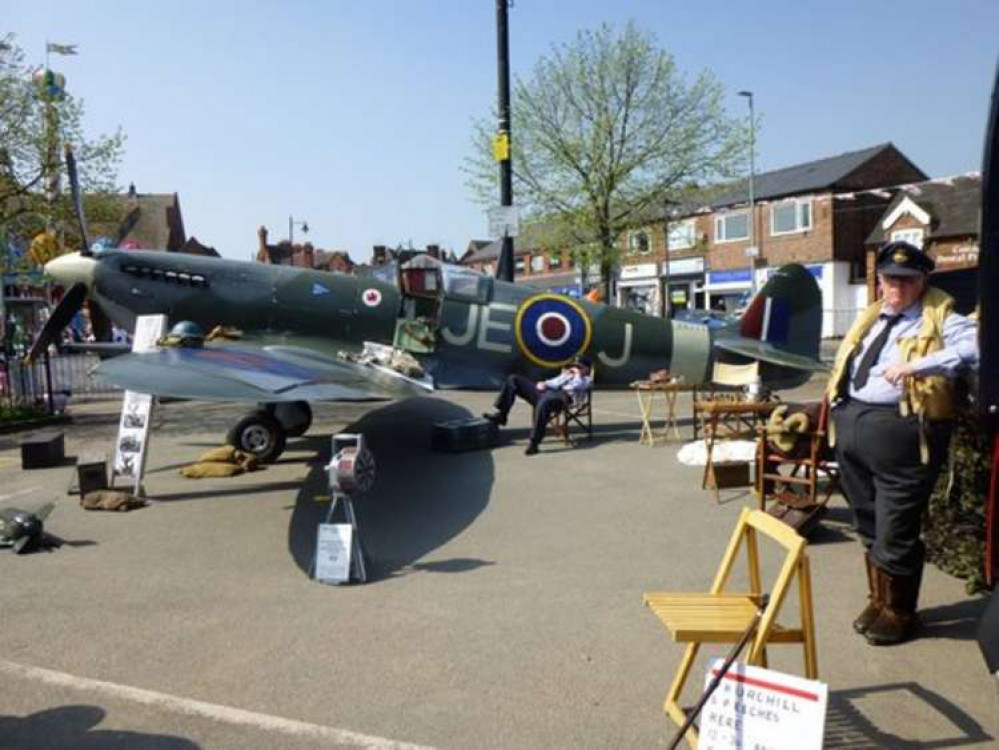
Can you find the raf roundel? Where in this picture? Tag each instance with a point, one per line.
(552, 329)
(372, 297)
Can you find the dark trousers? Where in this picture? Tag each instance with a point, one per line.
(886, 484)
(546, 403)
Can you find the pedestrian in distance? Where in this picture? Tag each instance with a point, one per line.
(891, 392)
(548, 397)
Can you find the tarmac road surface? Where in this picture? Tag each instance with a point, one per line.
(504, 611)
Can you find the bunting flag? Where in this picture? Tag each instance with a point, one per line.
(61, 49)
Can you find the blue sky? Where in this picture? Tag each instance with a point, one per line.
(356, 116)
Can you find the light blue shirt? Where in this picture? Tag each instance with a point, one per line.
(573, 384)
(960, 338)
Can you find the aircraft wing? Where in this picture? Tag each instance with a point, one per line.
(766, 352)
(250, 374)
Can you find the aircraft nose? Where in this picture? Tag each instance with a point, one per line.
(72, 268)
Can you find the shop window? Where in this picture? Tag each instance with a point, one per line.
(732, 227)
(790, 217)
(554, 262)
(537, 264)
(518, 266)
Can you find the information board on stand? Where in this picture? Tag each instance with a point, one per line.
(755, 707)
(132, 443)
(333, 548)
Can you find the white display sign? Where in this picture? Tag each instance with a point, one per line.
(333, 546)
(504, 221)
(641, 271)
(683, 266)
(760, 708)
(751, 252)
(137, 410)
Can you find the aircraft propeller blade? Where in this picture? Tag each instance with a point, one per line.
(68, 306)
(99, 322)
(74, 187)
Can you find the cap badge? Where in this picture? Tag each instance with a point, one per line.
(900, 256)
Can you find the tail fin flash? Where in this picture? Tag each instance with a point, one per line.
(787, 312)
(781, 328)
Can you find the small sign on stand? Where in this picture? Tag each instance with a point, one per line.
(333, 547)
(757, 707)
(339, 554)
(132, 442)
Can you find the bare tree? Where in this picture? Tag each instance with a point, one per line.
(607, 129)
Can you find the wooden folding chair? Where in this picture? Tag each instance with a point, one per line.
(721, 616)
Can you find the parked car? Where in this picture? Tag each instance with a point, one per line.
(709, 318)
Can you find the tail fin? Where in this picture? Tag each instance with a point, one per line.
(781, 328)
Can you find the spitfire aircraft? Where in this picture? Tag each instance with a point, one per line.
(301, 329)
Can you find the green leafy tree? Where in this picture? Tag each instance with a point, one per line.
(34, 123)
(605, 130)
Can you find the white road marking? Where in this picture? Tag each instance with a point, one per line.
(211, 711)
(19, 492)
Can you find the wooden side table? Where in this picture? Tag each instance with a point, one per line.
(647, 392)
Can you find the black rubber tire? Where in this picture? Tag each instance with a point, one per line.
(260, 435)
(301, 428)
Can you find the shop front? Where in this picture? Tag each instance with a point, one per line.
(727, 291)
(638, 289)
(681, 279)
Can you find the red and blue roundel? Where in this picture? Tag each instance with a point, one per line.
(551, 329)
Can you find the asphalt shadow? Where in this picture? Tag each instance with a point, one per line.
(420, 499)
(73, 727)
(847, 726)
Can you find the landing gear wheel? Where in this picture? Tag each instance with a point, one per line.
(260, 435)
(294, 416)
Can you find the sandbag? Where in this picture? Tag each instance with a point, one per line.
(110, 500)
(206, 469)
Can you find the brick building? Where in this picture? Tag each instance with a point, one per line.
(302, 255)
(819, 213)
(941, 216)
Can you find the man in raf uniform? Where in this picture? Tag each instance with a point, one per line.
(891, 392)
(548, 397)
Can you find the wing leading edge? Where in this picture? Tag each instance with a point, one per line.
(256, 375)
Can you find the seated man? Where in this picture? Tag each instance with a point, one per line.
(548, 397)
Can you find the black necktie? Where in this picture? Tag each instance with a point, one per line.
(873, 352)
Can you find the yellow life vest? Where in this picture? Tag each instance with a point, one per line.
(927, 397)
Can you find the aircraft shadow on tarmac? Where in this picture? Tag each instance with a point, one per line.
(72, 727)
(848, 727)
(420, 498)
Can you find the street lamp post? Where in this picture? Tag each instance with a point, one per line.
(670, 212)
(291, 228)
(752, 196)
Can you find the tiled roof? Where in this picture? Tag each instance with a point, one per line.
(821, 174)
(153, 221)
(953, 203)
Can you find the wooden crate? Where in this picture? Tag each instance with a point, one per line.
(722, 475)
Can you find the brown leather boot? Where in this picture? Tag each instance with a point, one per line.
(897, 619)
(873, 608)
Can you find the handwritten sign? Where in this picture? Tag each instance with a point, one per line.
(333, 546)
(759, 709)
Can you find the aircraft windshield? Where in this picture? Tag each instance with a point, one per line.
(465, 284)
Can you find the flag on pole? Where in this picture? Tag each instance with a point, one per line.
(61, 49)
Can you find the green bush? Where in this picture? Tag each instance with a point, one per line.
(20, 413)
(954, 531)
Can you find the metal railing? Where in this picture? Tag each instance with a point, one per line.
(43, 382)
